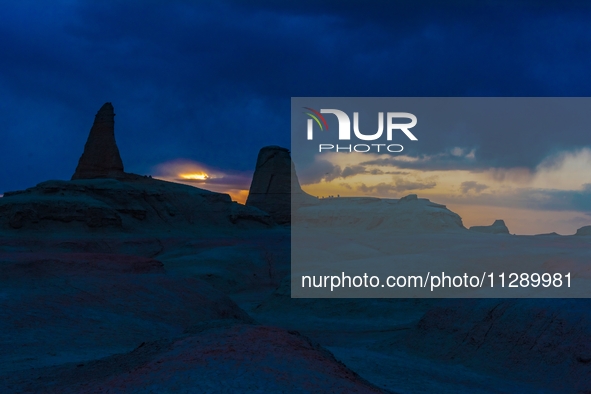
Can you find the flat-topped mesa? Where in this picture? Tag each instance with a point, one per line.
(101, 158)
(275, 184)
(498, 227)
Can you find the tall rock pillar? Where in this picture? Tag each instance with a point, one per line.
(275, 184)
(101, 158)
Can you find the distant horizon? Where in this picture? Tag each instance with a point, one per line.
(471, 215)
(481, 215)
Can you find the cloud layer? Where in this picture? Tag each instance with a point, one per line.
(211, 81)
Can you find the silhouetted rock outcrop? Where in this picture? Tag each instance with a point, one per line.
(101, 158)
(141, 204)
(408, 214)
(275, 184)
(102, 196)
(584, 231)
(498, 227)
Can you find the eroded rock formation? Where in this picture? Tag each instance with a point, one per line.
(498, 227)
(409, 214)
(537, 340)
(101, 158)
(102, 196)
(275, 184)
(142, 204)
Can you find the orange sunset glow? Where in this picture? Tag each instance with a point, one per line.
(530, 201)
(198, 176)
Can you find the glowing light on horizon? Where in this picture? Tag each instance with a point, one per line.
(197, 176)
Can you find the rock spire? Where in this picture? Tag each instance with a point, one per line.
(101, 158)
(275, 184)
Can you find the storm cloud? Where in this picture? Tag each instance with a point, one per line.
(211, 81)
(467, 186)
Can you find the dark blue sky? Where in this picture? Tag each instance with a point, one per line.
(211, 81)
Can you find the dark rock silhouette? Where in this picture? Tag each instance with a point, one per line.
(129, 204)
(584, 231)
(410, 197)
(498, 227)
(552, 234)
(275, 184)
(101, 158)
(102, 196)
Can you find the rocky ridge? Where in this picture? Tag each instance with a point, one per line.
(498, 227)
(275, 186)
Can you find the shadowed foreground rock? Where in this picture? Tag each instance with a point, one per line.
(112, 323)
(238, 358)
(546, 341)
(85, 306)
(275, 184)
(101, 158)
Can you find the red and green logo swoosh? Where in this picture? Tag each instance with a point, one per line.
(317, 117)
